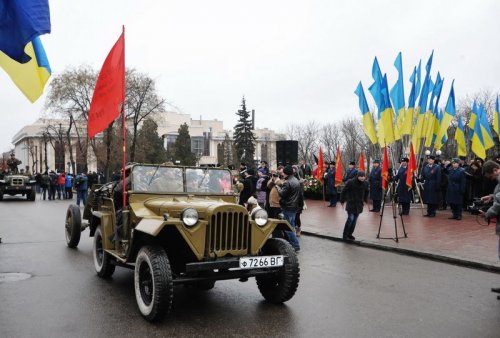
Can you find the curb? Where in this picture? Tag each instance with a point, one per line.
(414, 253)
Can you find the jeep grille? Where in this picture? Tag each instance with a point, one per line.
(17, 181)
(228, 232)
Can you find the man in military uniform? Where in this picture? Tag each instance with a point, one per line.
(375, 181)
(13, 162)
(431, 176)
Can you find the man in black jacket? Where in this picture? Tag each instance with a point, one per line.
(290, 201)
(355, 193)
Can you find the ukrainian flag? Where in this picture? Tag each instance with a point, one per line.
(449, 113)
(386, 114)
(496, 118)
(485, 128)
(472, 119)
(477, 145)
(398, 97)
(406, 128)
(422, 105)
(433, 117)
(460, 136)
(32, 76)
(368, 123)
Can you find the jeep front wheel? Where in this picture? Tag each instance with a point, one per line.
(103, 262)
(153, 283)
(73, 226)
(280, 286)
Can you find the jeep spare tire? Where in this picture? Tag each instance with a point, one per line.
(153, 283)
(73, 226)
(278, 287)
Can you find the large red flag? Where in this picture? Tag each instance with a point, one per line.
(339, 169)
(109, 92)
(362, 161)
(412, 166)
(385, 170)
(321, 166)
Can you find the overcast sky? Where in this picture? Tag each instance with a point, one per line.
(295, 61)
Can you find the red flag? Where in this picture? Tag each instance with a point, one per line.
(109, 90)
(385, 170)
(339, 170)
(362, 161)
(321, 166)
(412, 166)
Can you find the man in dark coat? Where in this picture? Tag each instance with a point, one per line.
(351, 172)
(375, 180)
(404, 194)
(355, 193)
(249, 185)
(331, 190)
(456, 189)
(431, 176)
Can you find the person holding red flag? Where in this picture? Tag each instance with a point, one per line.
(404, 194)
(375, 181)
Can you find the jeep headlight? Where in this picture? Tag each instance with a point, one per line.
(189, 217)
(260, 217)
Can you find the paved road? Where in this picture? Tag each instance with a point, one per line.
(345, 291)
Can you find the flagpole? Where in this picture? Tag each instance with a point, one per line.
(124, 130)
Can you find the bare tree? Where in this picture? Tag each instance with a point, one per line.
(330, 139)
(142, 100)
(307, 136)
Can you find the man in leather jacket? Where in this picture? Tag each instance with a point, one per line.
(290, 200)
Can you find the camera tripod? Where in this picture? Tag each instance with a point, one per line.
(396, 209)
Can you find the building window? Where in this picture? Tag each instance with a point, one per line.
(197, 146)
(170, 140)
(206, 149)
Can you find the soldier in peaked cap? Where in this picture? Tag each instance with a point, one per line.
(431, 176)
(351, 172)
(331, 190)
(404, 194)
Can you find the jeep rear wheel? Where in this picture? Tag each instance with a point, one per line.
(281, 286)
(73, 226)
(153, 283)
(103, 262)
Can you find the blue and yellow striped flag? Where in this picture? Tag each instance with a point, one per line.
(398, 97)
(460, 138)
(485, 128)
(421, 110)
(29, 77)
(449, 113)
(368, 122)
(496, 118)
(477, 145)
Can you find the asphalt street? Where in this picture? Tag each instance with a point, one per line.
(345, 291)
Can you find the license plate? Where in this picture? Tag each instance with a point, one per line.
(261, 262)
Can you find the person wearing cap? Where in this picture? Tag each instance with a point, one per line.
(354, 194)
(329, 178)
(12, 163)
(249, 184)
(431, 176)
(375, 181)
(351, 172)
(290, 200)
(456, 189)
(404, 194)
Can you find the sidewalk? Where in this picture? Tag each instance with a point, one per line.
(464, 242)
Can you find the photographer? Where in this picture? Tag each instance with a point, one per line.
(491, 170)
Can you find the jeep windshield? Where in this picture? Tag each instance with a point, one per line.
(162, 179)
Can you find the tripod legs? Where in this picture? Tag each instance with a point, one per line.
(395, 212)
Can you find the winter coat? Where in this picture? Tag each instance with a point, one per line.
(375, 180)
(494, 210)
(355, 193)
(431, 175)
(274, 197)
(81, 182)
(330, 181)
(351, 173)
(404, 195)
(456, 186)
(261, 189)
(69, 181)
(291, 195)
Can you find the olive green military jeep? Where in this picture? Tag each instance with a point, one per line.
(17, 184)
(182, 226)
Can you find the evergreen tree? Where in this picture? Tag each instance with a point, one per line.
(149, 144)
(228, 151)
(244, 138)
(182, 148)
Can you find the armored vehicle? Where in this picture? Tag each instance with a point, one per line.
(183, 226)
(16, 184)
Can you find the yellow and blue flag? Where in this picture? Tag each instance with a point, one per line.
(368, 123)
(29, 77)
(449, 113)
(460, 137)
(21, 21)
(419, 130)
(477, 145)
(432, 113)
(472, 119)
(398, 97)
(496, 118)
(407, 126)
(386, 114)
(418, 75)
(485, 128)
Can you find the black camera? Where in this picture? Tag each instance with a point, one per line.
(477, 206)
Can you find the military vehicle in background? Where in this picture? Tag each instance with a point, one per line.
(14, 182)
(183, 226)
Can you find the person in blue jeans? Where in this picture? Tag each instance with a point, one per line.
(291, 198)
(354, 194)
(81, 182)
